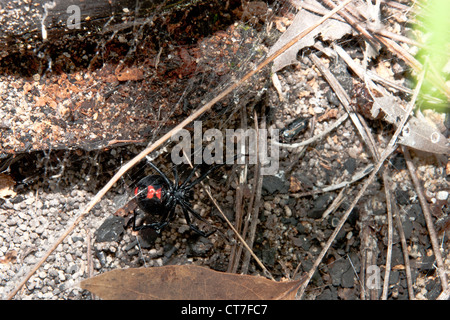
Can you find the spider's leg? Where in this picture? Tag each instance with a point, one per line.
(203, 176)
(170, 211)
(187, 205)
(175, 175)
(190, 176)
(157, 225)
(160, 173)
(134, 221)
(186, 209)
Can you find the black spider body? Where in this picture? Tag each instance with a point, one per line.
(157, 195)
(151, 194)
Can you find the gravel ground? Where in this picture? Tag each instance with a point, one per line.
(291, 230)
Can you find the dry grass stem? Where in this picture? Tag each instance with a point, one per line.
(428, 219)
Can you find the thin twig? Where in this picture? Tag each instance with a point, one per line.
(395, 36)
(343, 97)
(343, 219)
(402, 53)
(90, 261)
(249, 207)
(236, 250)
(428, 219)
(250, 251)
(334, 205)
(257, 200)
(363, 74)
(166, 137)
(351, 20)
(315, 138)
(445, 295)
(387, 272)
(401, 233)
(392, 145)
(357, 176)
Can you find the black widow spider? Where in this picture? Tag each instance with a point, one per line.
(157, 195)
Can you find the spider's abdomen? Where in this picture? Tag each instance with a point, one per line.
(150, 194)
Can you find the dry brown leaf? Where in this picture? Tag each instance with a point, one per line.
(187, 282)
(6, 186)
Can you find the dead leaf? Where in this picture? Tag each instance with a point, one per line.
(6, 186)
(416, 134)
(422, 136)
(189, 282)
(329, 30)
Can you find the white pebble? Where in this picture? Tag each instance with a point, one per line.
(442, 195)
(287, 211)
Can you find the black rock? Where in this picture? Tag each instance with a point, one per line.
(339, 69)
(101, 257)
(300, 228)
(416, 213)
(320, 205)
(110, 230)
(398, 162)
(427, 263)
(348, 278)
(289, 221)
(397, 256)
(350, 165)
(328, 294)
(17, 199)
(147, 238)
(274, 184)
(332, 98)
(394, 277)
(169, 250)
(407, 228)
(402, 197)
(353, 217)
(76, 239)
(338, 268)
(301, 241)
(218, 262)
(267, 255)
(199, 248)
(433, 289)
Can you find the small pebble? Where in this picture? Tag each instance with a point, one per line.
(442, 195)
(287, 211)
